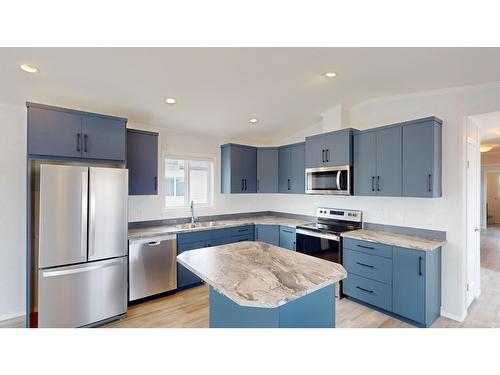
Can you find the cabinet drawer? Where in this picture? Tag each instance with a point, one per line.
(238, 231)
(369, 266)
(243, 237)
(368, 247)
(369, 291)
(201, 235)
(220, 233)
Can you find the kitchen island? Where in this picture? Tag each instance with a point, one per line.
(254, 284)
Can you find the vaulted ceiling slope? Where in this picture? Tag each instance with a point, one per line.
(219, 89)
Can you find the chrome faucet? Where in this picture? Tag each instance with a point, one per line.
(193, 218)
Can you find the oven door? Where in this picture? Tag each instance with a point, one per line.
(331, 180)
(319, 245)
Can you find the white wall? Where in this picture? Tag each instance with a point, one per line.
(12, 210)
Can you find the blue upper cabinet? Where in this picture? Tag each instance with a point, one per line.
(103, 138)
(364, 163)
(399, 160)
(238, 169)
(329, 149)
(54, 133)
(291, 168)
(377, 162)
(64, 133)
(267, 170)
(422, 158)
(142, 162)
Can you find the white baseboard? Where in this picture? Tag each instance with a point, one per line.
(458, 318)
(18, 314)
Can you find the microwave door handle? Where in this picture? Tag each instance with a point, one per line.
(338, 180)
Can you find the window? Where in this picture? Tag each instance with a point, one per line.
(188, 180)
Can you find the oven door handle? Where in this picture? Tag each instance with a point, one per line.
(306, 232)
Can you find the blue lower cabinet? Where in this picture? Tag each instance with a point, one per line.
(186, 278)
(407, 285)
(268, 233)
(416, 285)
(243, 237)
(314, 310)
(287, 237)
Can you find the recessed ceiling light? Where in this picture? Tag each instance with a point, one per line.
(330, 74)
(29, 68)
(485, 148)
(253, 120)
(170, 100)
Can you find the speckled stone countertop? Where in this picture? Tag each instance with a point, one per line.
(162, 230)
(257, 274)
(394, 239)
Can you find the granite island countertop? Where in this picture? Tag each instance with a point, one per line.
(256, 274)
(162, 230)
(394, 239)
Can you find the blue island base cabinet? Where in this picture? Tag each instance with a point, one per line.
(314, 310)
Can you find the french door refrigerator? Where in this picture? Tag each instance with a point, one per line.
(82, 256)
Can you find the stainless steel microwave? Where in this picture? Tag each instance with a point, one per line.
(329, 180)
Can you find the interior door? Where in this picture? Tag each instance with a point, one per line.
(473, 232)
(63, 215)
(108, 216)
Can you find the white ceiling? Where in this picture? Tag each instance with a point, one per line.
(218, 89)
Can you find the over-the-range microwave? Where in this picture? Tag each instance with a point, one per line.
(329, 180)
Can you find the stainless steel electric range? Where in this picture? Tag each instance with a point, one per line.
(322, 238)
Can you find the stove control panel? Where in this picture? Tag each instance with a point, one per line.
(339, 214)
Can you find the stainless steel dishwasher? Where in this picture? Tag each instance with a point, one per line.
(152, 266)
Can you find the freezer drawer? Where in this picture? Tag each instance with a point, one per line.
(79, 295)
(152, 267)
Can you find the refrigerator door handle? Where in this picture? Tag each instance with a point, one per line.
(92, 215)
(83, 242)
(81, 269)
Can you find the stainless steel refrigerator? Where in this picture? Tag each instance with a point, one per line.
(82, 245)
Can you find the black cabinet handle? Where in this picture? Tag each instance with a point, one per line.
(243, 230)
(323, 155)
(373, 183)
(365, 265)
(85, 137)
(242, 184)
(294, 247)
(365, 247)
(78, 142)
(378, 183)
(364, 290)
(288, 184)
(419, 266)
(327, 155)
(430, 182)
(156, 184)
(287, 231)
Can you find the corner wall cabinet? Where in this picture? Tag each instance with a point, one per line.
(267, 170)
(62, 133)
(142, 162)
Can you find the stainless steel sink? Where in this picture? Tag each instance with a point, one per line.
(205, 224)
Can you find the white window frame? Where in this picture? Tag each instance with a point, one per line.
(187, 202)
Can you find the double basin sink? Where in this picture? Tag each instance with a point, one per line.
(205, 224)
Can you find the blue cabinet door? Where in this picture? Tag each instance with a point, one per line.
(268, 233)
(185, 277)
(284, 165)
(54, 133)
(364, 163)
(389, 163)
(338, 148)
(315, 152)
(408, 283)
(103, 138)
(297, 169)
(142, 162)
(238, 169)
(267, 170)
(422, 159)
(287, 237)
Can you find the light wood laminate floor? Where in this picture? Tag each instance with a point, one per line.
(189, 308)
